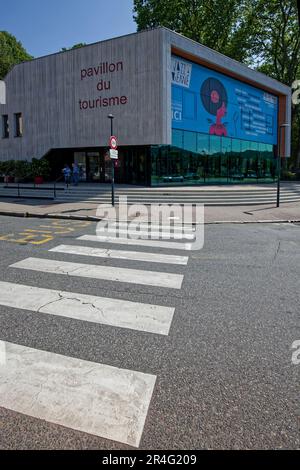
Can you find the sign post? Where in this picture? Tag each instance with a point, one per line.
(113, 153)
(279, 156)
(113, 146)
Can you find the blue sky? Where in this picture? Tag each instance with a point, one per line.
(45, 26)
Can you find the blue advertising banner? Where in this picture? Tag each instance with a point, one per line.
(207, 101)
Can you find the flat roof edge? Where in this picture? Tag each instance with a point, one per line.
(225, 58)
(257, 76)
(86, 45)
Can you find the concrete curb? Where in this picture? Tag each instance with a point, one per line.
(97, 219)
(279, 221)
(49, 216)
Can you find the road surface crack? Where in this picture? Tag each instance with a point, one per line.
(277, 251)
(62, 296)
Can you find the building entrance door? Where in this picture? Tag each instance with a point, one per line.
(95, 167)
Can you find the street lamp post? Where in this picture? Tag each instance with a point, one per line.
(282, 126)
(111, 117)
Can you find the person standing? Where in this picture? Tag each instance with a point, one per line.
(76, 171)
(67, 174)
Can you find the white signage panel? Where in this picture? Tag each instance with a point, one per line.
(114, 154)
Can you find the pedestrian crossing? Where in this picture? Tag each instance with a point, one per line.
(94, 398)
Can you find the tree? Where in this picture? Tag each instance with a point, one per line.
(76, 46)
(274, 46)
(214, 23)
(11, 53)
(263, 34)
(274, 49)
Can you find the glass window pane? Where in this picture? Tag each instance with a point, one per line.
(5, 126)
(177, 138)
(190, 141)
(203, 144)
(226, 144)
(213, 168)
(236, 147)
(245, 148)
(215, 145)
(18, 125)
(225, 157)
(236, 167)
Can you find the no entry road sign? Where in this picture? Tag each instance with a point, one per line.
(113, 142)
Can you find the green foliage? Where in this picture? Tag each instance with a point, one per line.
(214, 23)
(11, 53)
(40, 167)
(288, 176)
(274, 48)
(274, 41)
(20, 169)
(263, 34)
(7, 168)
(24, 170)
(76, 46)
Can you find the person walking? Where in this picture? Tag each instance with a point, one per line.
(67, 174)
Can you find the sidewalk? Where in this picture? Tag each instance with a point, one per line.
(288, 212)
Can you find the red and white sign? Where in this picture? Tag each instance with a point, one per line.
(113, 142)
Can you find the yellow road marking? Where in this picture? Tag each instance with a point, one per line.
(41, 242)
(37, 231)
(4, 237)
(39, 236)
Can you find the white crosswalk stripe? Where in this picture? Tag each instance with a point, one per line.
(144, 234)
(135, 276)
(120, 313)
(137, 242)
(95, 398)
(162, 228)
(82, 395)
(119, 254)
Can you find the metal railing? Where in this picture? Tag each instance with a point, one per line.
(55, 183)
(51, 187)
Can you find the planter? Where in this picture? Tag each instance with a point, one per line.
(38, 180)
(9, 179)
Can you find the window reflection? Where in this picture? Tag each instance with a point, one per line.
(196, 158)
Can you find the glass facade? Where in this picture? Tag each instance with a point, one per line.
(132, 166)
(197, 158)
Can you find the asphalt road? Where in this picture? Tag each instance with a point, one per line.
(224, 376)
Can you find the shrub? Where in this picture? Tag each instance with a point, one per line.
(7, 168)
(23, 170)
(40, 168)
(288, 175)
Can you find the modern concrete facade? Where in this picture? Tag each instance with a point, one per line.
(63, 99)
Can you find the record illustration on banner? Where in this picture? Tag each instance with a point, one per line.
(214, 99)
